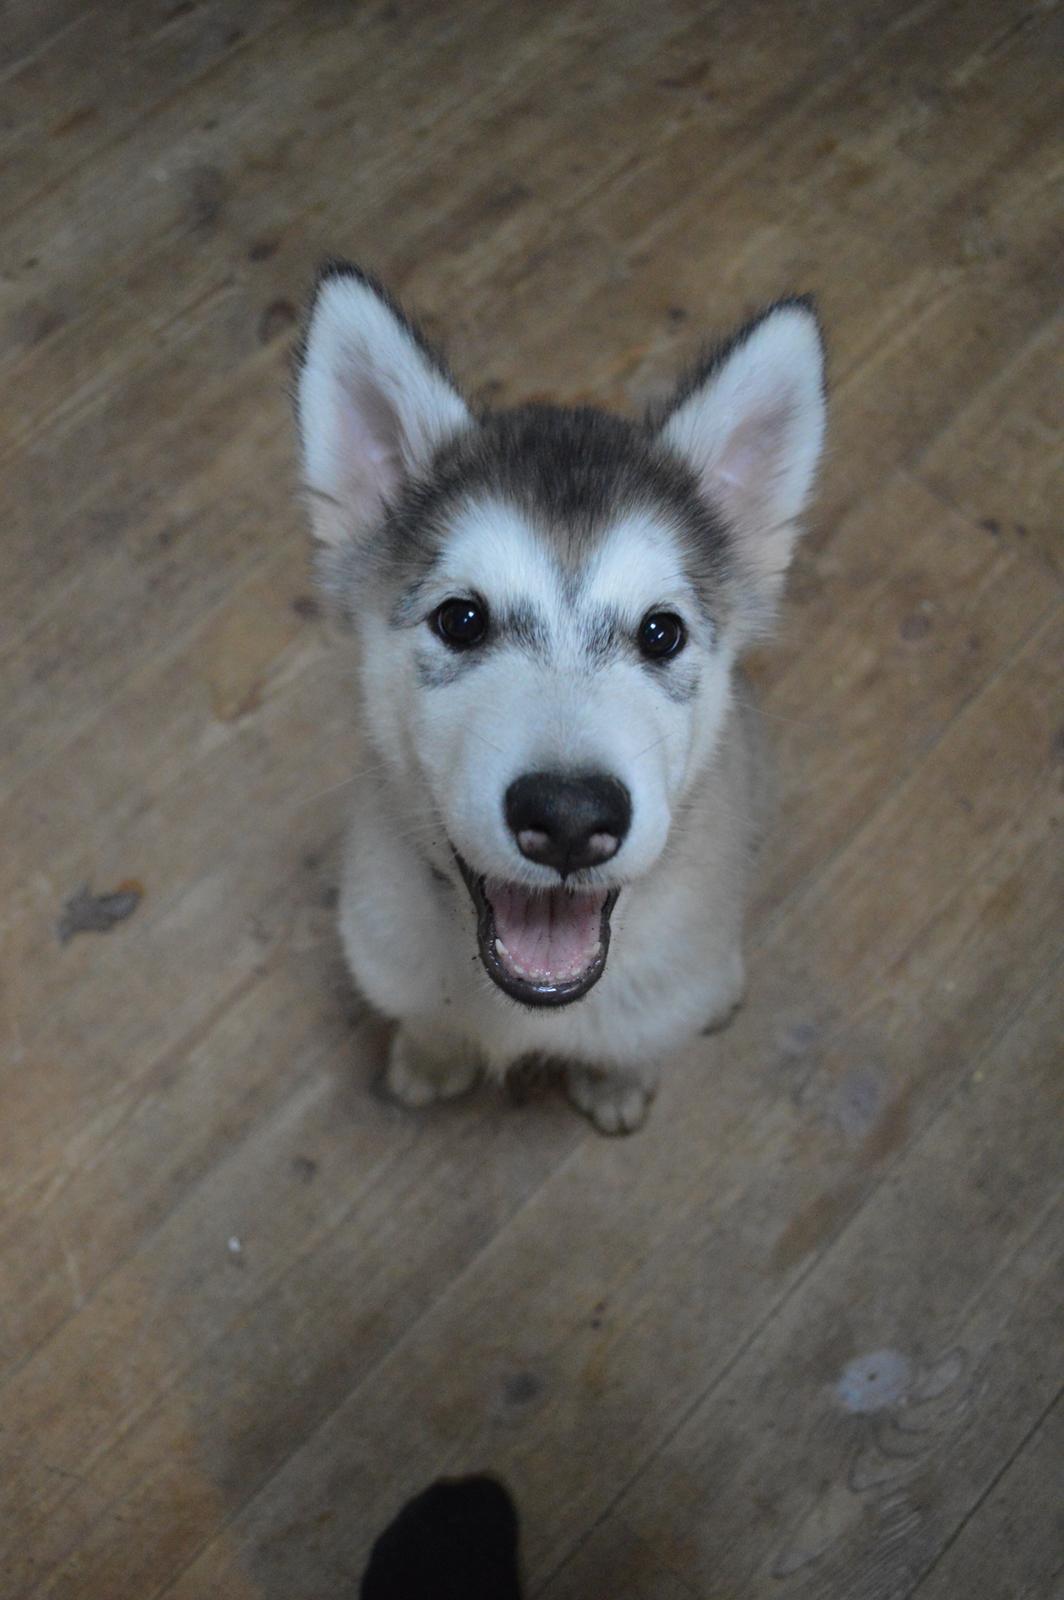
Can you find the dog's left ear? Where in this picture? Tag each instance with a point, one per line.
(751, 424)
(373, 402)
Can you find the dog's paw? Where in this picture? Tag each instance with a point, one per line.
(614, 1104)
(730, 994)
(416, 1081)
(721, 1018)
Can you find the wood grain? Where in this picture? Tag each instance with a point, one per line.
(1014, 1539)
(900, 1380)
(246, 1307)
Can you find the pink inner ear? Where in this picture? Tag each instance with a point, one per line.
(367, 445)
(739, 458)
(751, 446)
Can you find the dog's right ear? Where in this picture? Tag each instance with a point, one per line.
(373, 403)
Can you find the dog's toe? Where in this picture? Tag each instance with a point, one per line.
(614, 1105)
(730, 987)
(722, 1018)
(412, 1085)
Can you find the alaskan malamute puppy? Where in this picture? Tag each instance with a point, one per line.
(552, 832)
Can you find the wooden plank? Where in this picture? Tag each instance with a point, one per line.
(195, 187)
(378, 1224)
(125, 1167)
(850, 1439)
(455, 138)
(896, 620)
(191, 546)
(195, 940)
(1013, 1543)
(1002, 459)
(814, 185)
(31, 26)
(98, 77)
(583, 1341)
(177, 411)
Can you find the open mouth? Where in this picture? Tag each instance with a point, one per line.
(544, 947)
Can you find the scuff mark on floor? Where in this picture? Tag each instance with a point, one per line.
(86, 912)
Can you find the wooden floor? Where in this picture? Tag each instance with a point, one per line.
(804, 1335)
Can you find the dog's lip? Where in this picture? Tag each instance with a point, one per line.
(528, 993)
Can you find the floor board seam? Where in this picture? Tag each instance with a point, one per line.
(818, 1260)
(1044, 622)
(987, 1492)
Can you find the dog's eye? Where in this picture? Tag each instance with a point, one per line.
(460, 623)
(661, 634)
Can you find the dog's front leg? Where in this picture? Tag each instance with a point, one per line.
(427, 1063)
(615, 1099)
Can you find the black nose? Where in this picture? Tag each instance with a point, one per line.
(568, 823)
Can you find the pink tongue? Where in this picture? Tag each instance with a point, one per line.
(548, 936)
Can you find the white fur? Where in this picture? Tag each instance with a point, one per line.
(638, 566)
(372, 407)
(492, 551)
(514, 715)
(440, 758)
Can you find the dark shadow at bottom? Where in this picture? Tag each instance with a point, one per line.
(457, 1540)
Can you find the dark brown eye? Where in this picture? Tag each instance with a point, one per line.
(460, 623)
(661, 634)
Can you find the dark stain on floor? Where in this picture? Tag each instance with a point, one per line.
(85, 912)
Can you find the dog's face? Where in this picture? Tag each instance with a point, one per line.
(549, 604)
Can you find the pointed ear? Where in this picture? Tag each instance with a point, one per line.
(373, 403)
(751, 425)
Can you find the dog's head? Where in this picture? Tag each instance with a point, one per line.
(548, 603)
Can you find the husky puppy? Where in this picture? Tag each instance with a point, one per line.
(551, 836)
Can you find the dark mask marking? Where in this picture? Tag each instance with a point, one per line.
(677, 680)
(437, 669)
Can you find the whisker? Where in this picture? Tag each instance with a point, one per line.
(485, 740)
(363, 771)
(653, 745)
(309, 799)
